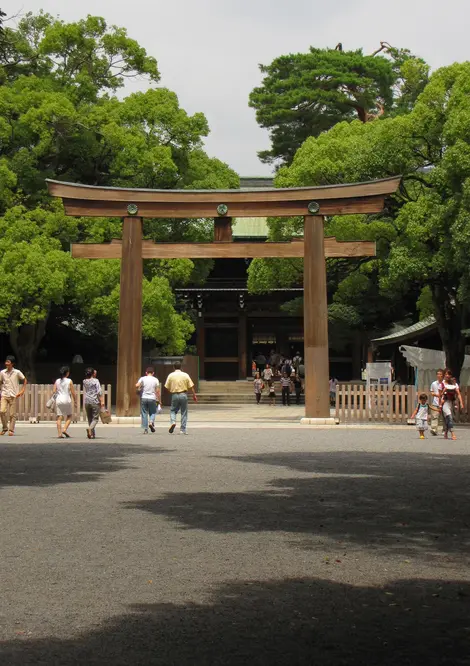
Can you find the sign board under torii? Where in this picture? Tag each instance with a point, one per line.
(313, 203)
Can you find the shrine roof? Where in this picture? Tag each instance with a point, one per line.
(410, 332)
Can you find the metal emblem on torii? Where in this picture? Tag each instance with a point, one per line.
(313, 203)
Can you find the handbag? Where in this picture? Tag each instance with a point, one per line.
(105, 416)
(50, 404)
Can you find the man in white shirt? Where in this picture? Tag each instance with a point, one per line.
(10, 388)
(178, 383)
(436, 392)
(149, 388)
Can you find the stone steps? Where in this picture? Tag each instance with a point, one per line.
(235, 393)
(239, 400)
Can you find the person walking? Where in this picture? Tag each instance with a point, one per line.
(272, 395)
(450, 392)
(93, 400)
(287, 367)
(285, 388)
(260, 361)
(10, 379)
(258, 387)
(178, 383)
(268, 374)
(298, 388)
(65, 393)
(421, 415)
(149, 388)
(296, 361)
(436, 392)
(332, 388)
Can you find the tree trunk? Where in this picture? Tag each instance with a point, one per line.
(25, 341)
(450, 322)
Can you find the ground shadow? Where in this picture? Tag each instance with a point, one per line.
(281, 623)
(412, 503)
(49, 464)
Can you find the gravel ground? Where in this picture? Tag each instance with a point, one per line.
(310, 546)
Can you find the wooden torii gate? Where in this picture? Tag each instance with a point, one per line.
(313, 203)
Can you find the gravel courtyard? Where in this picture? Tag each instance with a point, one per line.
(253, 546)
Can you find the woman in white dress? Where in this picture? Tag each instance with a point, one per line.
(65, 392)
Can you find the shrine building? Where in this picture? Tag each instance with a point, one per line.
(234, 326)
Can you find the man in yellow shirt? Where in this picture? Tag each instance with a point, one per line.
(178, 383)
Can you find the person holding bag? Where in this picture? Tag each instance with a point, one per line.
(93, 400)
(258, 386)
(65, 393)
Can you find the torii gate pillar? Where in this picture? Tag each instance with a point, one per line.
(317, 399)
(129, 361)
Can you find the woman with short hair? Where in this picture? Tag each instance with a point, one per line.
(65, 393)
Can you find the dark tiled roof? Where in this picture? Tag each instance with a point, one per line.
(256, 181)
(411, 332)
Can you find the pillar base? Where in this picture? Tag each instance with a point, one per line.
(327, 421)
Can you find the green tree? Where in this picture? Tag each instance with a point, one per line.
(59, 119)
(34, 274)
(87, 58)
(425, 229)
(306, 94)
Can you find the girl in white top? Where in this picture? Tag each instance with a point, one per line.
(63, 388)
(421, 414)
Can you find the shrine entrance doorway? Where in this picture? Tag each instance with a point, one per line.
(313, 203)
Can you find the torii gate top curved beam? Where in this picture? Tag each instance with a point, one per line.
(92, 201)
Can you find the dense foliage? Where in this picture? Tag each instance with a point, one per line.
(306, 94)
(59, 118)
(424, 233)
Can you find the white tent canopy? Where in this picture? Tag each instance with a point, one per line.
(427, 361)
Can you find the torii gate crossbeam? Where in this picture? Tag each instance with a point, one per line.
(311, 202)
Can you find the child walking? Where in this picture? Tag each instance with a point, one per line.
(421, 414)
(272, 395)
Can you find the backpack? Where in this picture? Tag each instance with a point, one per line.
(450, 392)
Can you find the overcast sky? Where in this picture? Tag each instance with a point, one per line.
(208, 51)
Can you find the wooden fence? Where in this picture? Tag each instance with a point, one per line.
(32, 405)
(384, 404)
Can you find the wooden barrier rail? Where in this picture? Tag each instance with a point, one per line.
(384, 404)
(32, 405)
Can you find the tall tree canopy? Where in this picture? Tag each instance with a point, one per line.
(60, 119)
(305, 94)
(424, 232)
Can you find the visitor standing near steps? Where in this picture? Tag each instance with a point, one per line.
(149, 388)
(178, 383)
(258, 386)
(10, 379)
